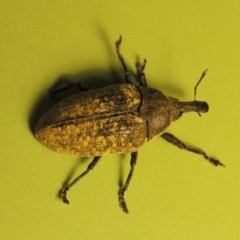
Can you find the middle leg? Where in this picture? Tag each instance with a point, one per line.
(123, 189)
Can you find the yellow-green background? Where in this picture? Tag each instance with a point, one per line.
(174, 194)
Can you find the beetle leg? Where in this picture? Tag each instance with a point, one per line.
(122, 202)
(172, 139)
(141, 75)
(120, 56)
(65, 188)
(79, 85)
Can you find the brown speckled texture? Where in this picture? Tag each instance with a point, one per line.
(95, 122)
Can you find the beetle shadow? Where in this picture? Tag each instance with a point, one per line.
(71, 173)
(92, 79)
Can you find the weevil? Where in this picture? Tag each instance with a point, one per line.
(118, 118)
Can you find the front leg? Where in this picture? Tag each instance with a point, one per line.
(141, 75)
(175, 141)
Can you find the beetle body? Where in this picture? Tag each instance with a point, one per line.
(114, 119)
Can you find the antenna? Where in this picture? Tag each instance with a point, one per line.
(195, 88)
